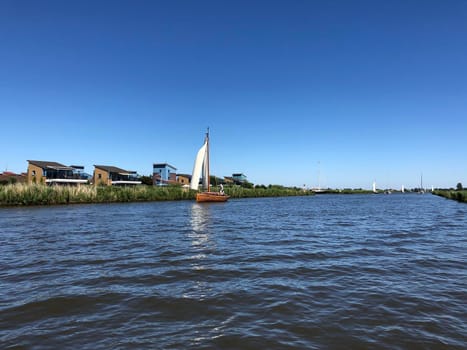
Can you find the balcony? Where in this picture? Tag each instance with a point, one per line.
(125, 179)
(65, 176)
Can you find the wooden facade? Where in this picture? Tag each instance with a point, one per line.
(183, 179)
(35, 174)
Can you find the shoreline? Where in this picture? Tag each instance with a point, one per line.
(21, 195)
(460, 196)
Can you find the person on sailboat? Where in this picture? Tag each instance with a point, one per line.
(222, 189)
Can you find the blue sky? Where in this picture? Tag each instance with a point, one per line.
(356, 91)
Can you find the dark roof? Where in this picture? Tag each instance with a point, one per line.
(46, 164)
(113, 169)
(163, 165)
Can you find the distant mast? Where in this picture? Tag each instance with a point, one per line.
(319, 176)
(421, 184)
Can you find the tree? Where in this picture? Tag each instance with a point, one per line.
(246, 184)
(459, 187)
(146, 180)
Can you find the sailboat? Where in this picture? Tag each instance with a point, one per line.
(201, 169)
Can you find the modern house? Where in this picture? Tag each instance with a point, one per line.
(239, 178)
(184, 179)
(163, 174)
(111, 175)
(55, 173)
(228, 180)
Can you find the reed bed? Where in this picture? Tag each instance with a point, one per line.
(460, 196)
(241, 192)
(37, 194)
(40, 194)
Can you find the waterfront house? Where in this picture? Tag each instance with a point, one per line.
(183, 179)
(228, 180)
(239, 178)
(113, 176)
(53, 173)
(8, 177)
(163, 174)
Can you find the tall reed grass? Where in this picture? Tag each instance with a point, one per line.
(40, 194)
(241, 192)
(460, 196)
(37, 194)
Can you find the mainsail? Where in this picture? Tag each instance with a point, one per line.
(198, 166)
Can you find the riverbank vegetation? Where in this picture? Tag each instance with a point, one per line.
(458, 195)
(263, 191)
(344, 191)
(39, 194)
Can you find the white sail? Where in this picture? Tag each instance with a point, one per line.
(198, 167)
(206, 171)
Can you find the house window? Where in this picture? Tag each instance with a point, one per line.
(99, 176)
(33, 173)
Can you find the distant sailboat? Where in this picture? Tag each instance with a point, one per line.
(374, 186)
(201, 169)
(421, 184)
(319, 189)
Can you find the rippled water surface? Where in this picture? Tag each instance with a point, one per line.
(329, 271)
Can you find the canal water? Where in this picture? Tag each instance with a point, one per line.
(320, 272)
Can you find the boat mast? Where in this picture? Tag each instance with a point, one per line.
(207, 160)
(319, 175)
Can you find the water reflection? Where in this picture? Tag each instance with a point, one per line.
(200, 220)
(200, 236)
(202, 246)
(199, 217)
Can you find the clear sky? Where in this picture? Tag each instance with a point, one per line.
(355, 91)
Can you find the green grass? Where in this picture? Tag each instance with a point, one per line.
(36, 194)
(460, 196)
(39, 194)
(273, 191)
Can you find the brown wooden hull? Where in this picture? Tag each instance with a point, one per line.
(211, 197)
